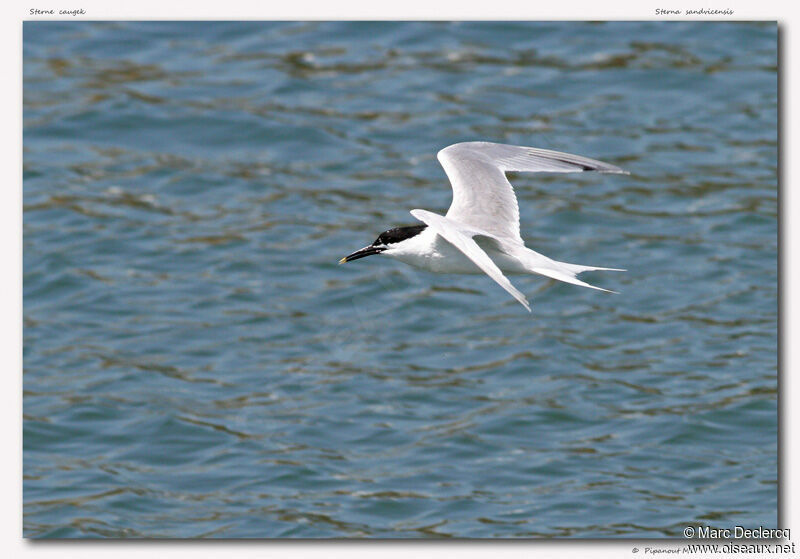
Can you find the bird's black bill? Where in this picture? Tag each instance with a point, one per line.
(366, 251)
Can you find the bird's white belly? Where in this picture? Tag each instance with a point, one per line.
(435, 254)
(446, 260)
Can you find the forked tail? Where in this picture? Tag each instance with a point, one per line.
(577, 268)
(565, 272)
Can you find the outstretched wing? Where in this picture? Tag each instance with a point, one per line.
(461, 238)
(482, 195)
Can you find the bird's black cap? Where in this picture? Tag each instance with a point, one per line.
(390, 237)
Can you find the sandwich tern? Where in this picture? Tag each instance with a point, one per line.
(480, 231)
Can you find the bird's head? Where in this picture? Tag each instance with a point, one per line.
(385, 241)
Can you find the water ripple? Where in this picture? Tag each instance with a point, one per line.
(198, 365)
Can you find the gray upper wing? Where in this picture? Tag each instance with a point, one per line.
(482, 195)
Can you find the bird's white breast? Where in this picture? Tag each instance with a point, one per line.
(431, 252)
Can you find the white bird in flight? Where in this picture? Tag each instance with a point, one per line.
(480, 231)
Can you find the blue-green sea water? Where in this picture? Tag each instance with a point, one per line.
(196, 364)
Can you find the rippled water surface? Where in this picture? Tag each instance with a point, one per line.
(197, 364)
